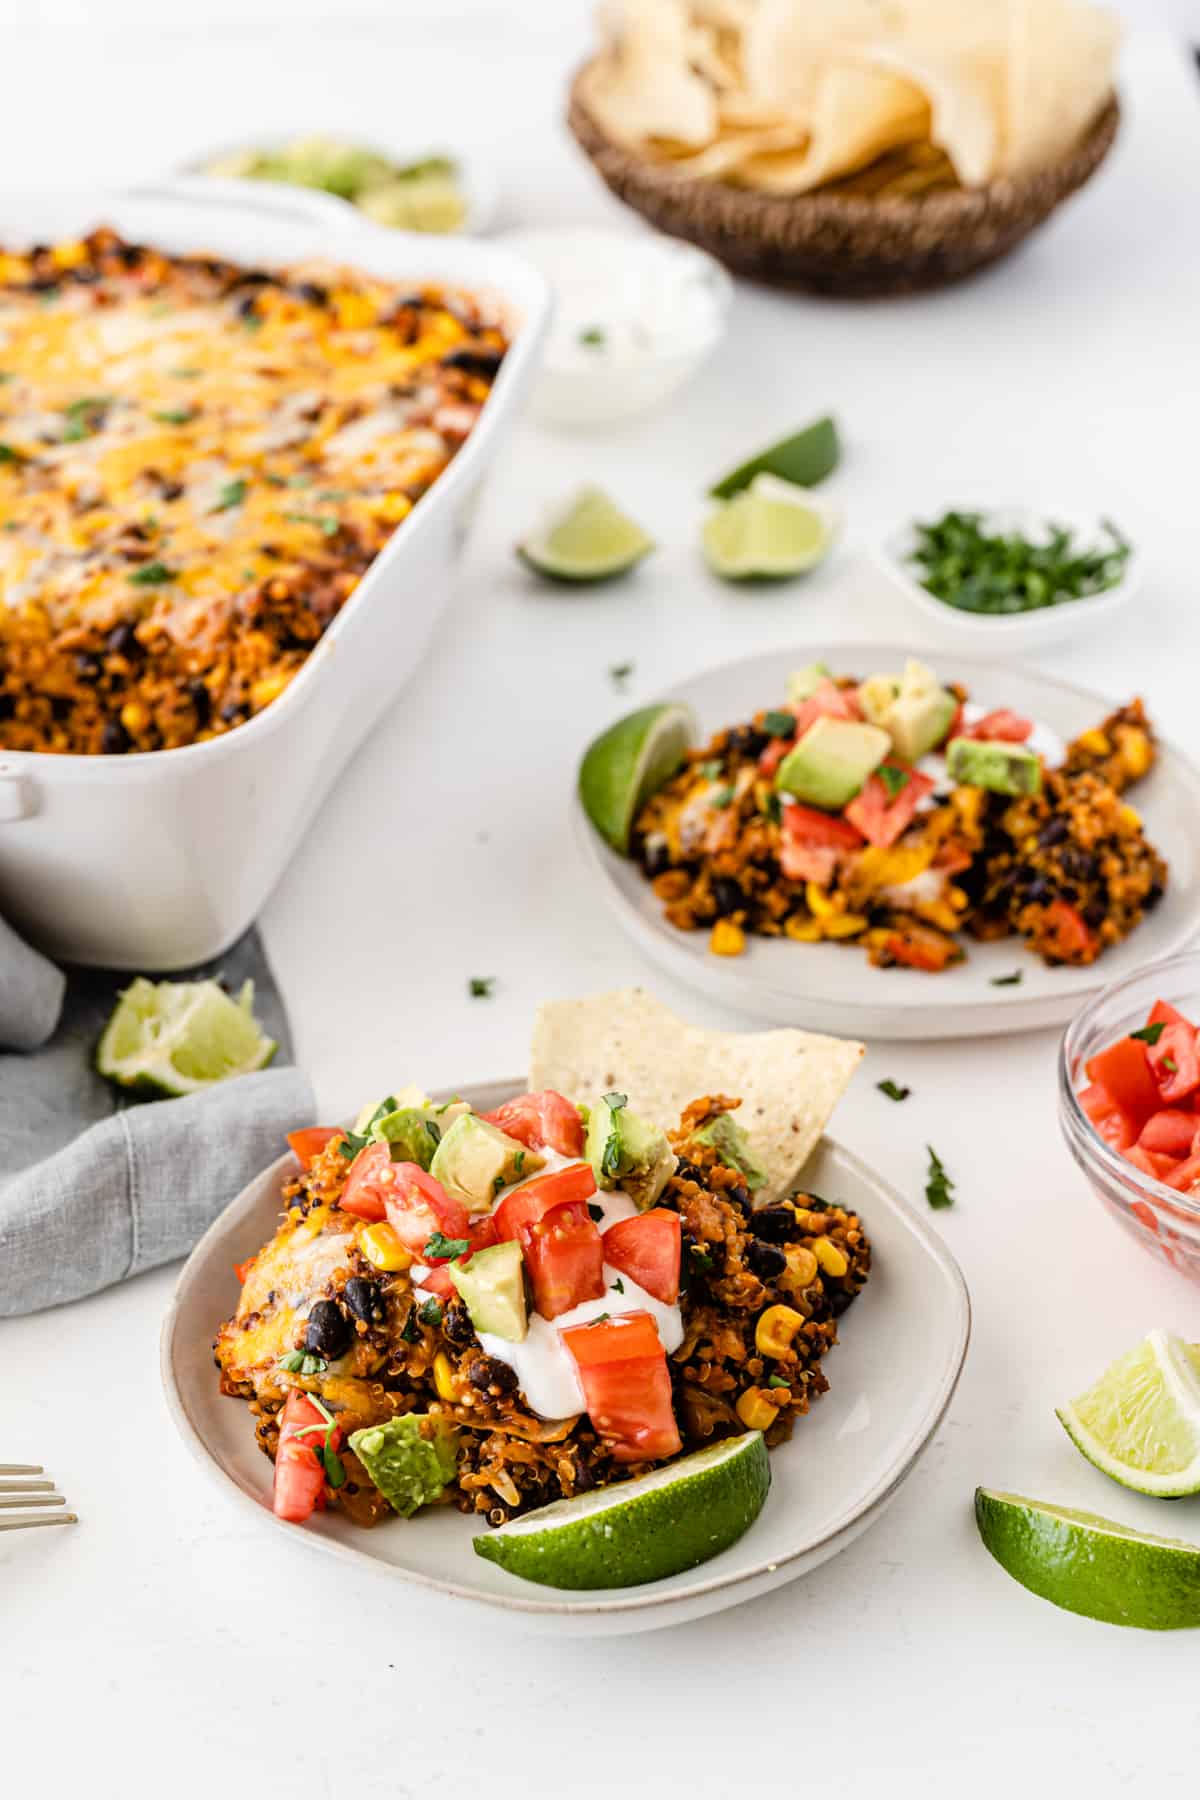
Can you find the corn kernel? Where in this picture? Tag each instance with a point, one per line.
(134, 717)
(1135, 751)
(801, 1269)
(844, 925)
(802, 930)
(443, 1377)
(380, 1245)
(354, 311)
(727, 939)
(755, 1410)
(830, 1257)
(394, 507)
(775, 1330)
(69, 255)
(268, 688)
(1094, 742)
(1131, 818)
(820, 904)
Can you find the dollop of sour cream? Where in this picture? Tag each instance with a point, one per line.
(543, 1365)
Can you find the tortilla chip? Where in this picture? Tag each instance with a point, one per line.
(644, 85)
(789, 1081)
(734, 149)
(787, 45)
(858, 114)
(1061, 66)
(964, 96)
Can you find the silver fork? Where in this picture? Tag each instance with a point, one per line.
(26, 1489)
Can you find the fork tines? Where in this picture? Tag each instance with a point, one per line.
(27, 1490)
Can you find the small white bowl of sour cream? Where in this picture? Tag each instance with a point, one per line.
(1008, 633)
(635, 316)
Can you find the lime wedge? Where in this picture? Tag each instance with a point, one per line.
(629, 762)
(640, 1530)
(770, 531)
(176, 1037)
(587, 539)
(1140, 1423)
(805, 458)
(1090, 1565)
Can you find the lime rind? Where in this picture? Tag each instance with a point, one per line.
(629, 762)
(643, 1530)
(178, 1037)
(587, 539)
(1091, 1565)
(1140, 1423)
(770, 531)
(805, 458)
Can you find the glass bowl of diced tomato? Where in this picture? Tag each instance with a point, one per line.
(1129, 1104)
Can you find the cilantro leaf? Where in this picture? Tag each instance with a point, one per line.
(597, 1212)
(151, 574)
(615, 1102)
(939, 1188)
(617, 1286)
(779, 724)
(430, 1312)
(777, 1381)
(893, 1090)
(1150, 1034)
(439, 1248)
(619, 673)
(480, 986)
(1012, 980)
(232, 494)
(894, 780)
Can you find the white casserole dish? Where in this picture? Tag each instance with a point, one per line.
(159, 860)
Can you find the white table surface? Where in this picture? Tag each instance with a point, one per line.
(163, 1646)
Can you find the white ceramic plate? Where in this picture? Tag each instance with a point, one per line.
(831, 987)
(892, 1377)
(1009, 634)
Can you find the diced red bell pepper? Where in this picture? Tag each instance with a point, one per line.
(623, 1369)
(647, 1249)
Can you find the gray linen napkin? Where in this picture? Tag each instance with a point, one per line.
(31, 993)
(100, 1184)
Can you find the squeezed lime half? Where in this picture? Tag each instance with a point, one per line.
(641, 1530)
(176, 1037)
(769, 531)
(588, 538)
(1140, 1423)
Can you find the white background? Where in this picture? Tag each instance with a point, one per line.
(163, 1646)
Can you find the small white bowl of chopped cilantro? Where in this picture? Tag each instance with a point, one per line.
(1011, 576)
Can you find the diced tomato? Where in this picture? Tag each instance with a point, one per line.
(1117, 1127)
(242, 1269)
(541, 1121)
(623, 1368)
(1124, 1073)
(1186, 1177)
(299, 1472)
(416, 1205)
(1000, 727)
(1171, 1132)
(1163, 1013)
(564, 1254)
(307, 1145)
(526, 1204)
(647, 1249)
(827, 700)
(369, 1182)
(1175, 1061)
(483, 1234)
(813, 841)
(879, 817)
(1070, 935)
(1150, 1162)
(439, 1281)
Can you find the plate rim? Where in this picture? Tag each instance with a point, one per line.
(1007, 1012)
(590, 1603)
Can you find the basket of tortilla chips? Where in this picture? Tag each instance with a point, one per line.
(863, 147)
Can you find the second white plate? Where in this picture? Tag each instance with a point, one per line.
(832, 987)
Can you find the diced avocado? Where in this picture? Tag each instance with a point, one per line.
(475, 1160)
(733, 1147)
(628, 1152)
(1001, 768)
(831, 762)
(410, 1458)
(922, 713)
(375, 1109)
(493, 1287)
(877, 695)
(803, 683)
(413, 1132)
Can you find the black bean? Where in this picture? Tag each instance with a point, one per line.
(87, 667)
(776, 1224)
(314, 292)
(233, 712)
(740, 1196)
(8, 707)
(687, 1171)
(328, 1331)
(839, 1300)
(474, 359)
(1154, 894)
(1052, 832)
(656, 859)
(169, 490)
(1038, 889)
(60, 707)
(201, 701)
(748, 739)
(364, 1300)
(456, 1324)
(765, 1260)
(247, 306)
(485, 1372)
(1095, 913)
(727, 894)
(114, 738)
(123, 640)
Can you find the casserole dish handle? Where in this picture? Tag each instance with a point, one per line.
(269, 199)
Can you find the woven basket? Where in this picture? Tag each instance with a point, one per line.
(837, 243)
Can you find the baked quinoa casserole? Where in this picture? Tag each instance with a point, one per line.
(549, 1299)
(198, 462)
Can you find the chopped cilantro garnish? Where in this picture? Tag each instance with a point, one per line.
(151, 574)
(779, 724)
(439, 1248)
(8, 454)
(1169, 1063)
(619, 673)
(701, 1258)
(721, 799)
(1013, 980)
(187, 374)
(433, 1132)
(518, 1162)
(596, 1212)
(893, 1090)
(232, 494)
(322, 521)
(408, 1330)
(480, 986)
(593, 337)
(615, 1102)
(335, 1471)
(772, 806)
(618, 1286)
(174, 415)
(710, 770)
(430, 1312)
(600, 1318)
(302, 1362)
(1150, 1034)
(939, 1188)
(894, 780)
